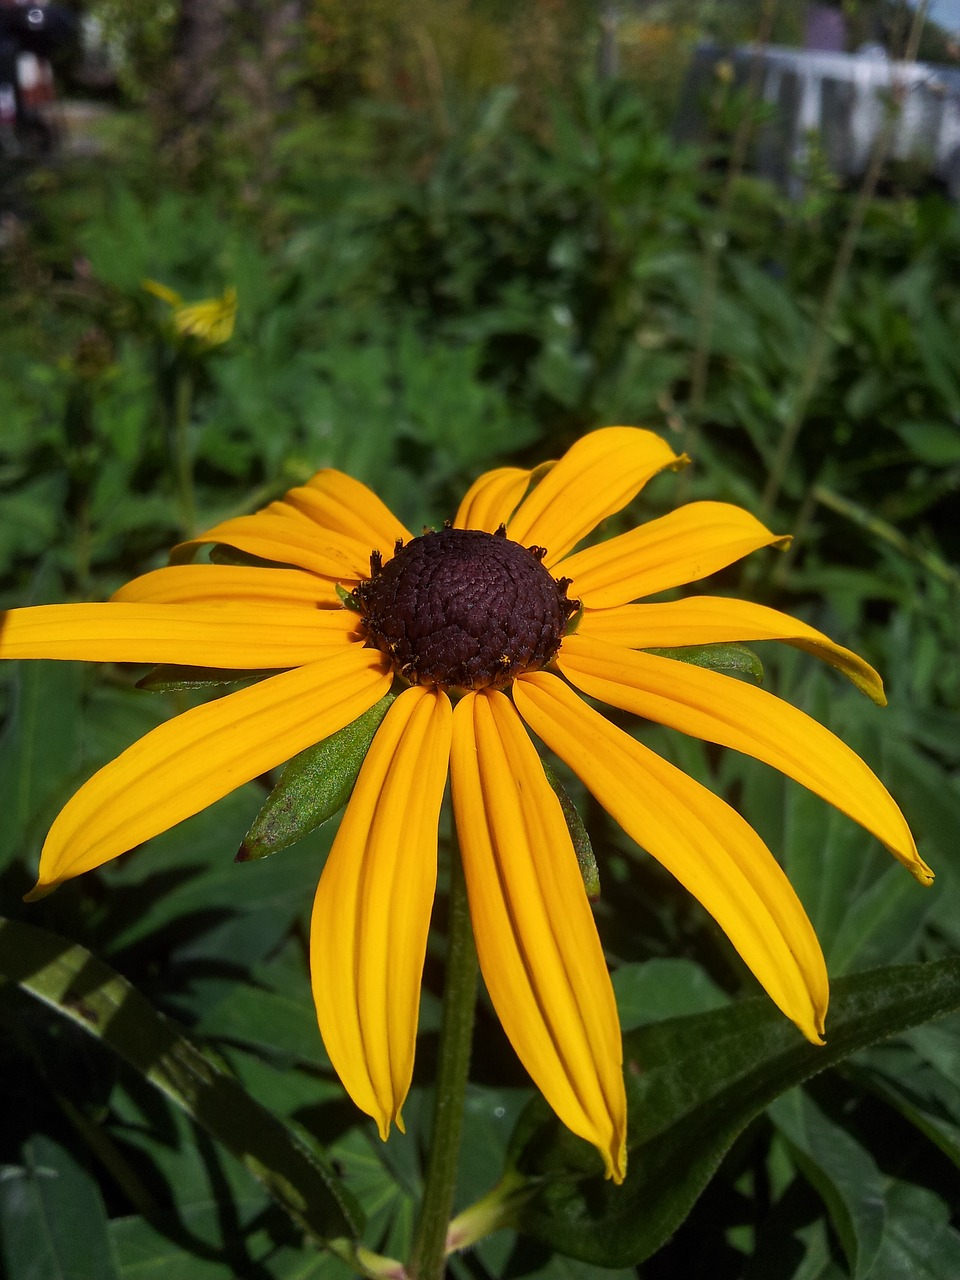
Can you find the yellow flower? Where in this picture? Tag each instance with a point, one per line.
(480, 624)
(210, 322)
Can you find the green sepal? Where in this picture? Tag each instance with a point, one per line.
(730, 659)
(574, 621)
(313, 786)
(578, 834)
(171, 679)
(346, 598)
(693, 1085)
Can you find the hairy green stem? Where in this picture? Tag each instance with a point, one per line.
(456, 1035)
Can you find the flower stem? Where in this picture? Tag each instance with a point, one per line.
(182, 408)
(456, 1035)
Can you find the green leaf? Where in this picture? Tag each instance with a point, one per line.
(313, 786)
(70, 980)
(731, 659)
(944, 1134)
(883, 922)
(582, 845)
(919, 1243)
(693, 1085)
(937, 443)
(171, 679)
(663, 988)
(39, 747)
(841, 1171)
(53, 1224)
(216, 1240)
(818, 1261)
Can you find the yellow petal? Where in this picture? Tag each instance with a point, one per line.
(211, 320)
(368, 937)
(684, 546)
(536, 939)
(491, 500)
(162, 291)
(596, 477)
(339, 503)
(284, 508)
(206, 635)
(291, 539)
(714, 854)
(215, 583)
(186, 764)
(718, 620)
(727, 711)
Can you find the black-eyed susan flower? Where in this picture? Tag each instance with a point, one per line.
(493, 627)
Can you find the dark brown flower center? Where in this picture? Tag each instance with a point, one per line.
(464, 609)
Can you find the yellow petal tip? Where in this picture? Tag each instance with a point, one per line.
(615, 1163)
(384, 1121)
(812, 1028)
(40, 890)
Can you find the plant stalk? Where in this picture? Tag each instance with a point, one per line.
(456, 1035)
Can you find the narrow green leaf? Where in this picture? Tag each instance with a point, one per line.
(731, 659)
(170, 679)
(313, 786)
(693, 1085)
(70, 980)
(579, 835)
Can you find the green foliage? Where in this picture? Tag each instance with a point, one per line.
(422, 295)
(687, 1108)
(313, 786)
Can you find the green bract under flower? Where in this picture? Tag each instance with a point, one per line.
(472, 612)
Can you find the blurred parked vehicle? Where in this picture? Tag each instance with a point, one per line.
(31, 31)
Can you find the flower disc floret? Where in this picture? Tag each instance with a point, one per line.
(464, 609)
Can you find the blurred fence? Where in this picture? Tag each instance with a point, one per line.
(838, 101)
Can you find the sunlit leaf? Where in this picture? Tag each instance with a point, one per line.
(75, 984)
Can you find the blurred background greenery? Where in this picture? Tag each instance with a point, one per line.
(463, 232)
